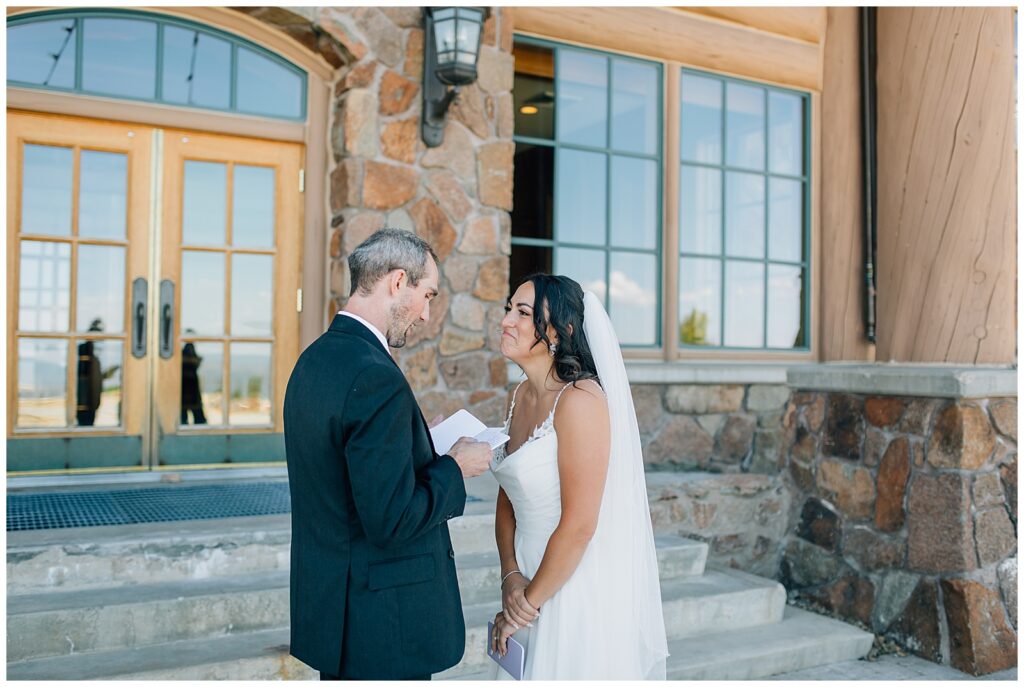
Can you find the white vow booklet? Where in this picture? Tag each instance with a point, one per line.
(464, 424)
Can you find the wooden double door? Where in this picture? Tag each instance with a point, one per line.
(152, 294)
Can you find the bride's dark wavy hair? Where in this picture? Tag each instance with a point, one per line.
(563, 298)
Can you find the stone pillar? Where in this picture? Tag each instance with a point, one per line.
(946, 185)
(906, 514)
(456, 196)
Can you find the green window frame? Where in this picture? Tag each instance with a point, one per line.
(767, 175)
(606, 246)
(75, 44)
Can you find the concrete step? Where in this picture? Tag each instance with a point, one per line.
(41, 560)
(170, 552)
(96, 619)
(720, 600)
(58, 623)
(249, 656)
(800, 640)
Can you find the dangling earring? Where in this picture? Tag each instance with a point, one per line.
(553, 347)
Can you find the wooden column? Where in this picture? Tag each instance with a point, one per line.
(842, 233)
(946, 185)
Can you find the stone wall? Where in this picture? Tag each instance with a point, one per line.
(743, 518)
(456, 196)
(906, 517)
(712, 427)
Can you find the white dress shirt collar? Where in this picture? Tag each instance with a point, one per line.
(376, 332)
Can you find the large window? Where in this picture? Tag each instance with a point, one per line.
(137, 56)
(588, 172)
(743, 192)
(590, 182)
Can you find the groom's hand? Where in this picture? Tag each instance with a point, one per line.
(473, 457)
(438, 419)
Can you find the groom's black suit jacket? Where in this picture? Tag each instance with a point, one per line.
(373, 587)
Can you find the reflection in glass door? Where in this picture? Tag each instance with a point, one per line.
(77, 237)
(231, 230)
(152, 295)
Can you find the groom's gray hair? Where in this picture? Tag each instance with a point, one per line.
(388, 249)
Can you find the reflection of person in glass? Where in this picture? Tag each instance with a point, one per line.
(90, 379)
(191, 399)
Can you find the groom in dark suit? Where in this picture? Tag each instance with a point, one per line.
(373, 587)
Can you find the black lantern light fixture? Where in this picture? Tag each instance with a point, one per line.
(451, 47)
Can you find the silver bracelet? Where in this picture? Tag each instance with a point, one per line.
(508, 575)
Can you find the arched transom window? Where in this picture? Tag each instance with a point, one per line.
(156, 58)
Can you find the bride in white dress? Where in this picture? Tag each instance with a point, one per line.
(579, 570)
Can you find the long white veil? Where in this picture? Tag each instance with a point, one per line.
(624, 540)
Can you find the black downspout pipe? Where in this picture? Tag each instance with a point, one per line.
(869, 139)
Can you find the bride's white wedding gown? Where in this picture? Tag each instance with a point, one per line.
(583, 631)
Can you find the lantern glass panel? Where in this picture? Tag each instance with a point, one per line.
(444, 36)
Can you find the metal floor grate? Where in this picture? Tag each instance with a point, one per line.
(155, 504)
(132, 506)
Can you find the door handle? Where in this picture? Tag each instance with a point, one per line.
(166, 318)
(139, 295)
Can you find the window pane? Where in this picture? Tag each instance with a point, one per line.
(252, 207)
(44, 290)
(744, 214)
(266, 87)
(581, 189)
(100, 292)
(700, 302)
(250, 384)
(46, 190)
(634, 107)
(701, 119)
(527, 260)
(785, 307)
(700, 210)
(533, 190)
(202, 383)
(582, 98)
(744, 304)
(634, 212)
(98, 393)
(586, 267)
(119, 57)
(103, 195)
(744, 126)
(785, 220)
(204, 212)
(533, 93)
(252, 282)
(785, 115)
(202, 293)
(42, 382)
(634, 292)
(42, 53)
(197, 68)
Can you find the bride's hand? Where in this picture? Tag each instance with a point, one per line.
(502, 631)
(516, 609)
